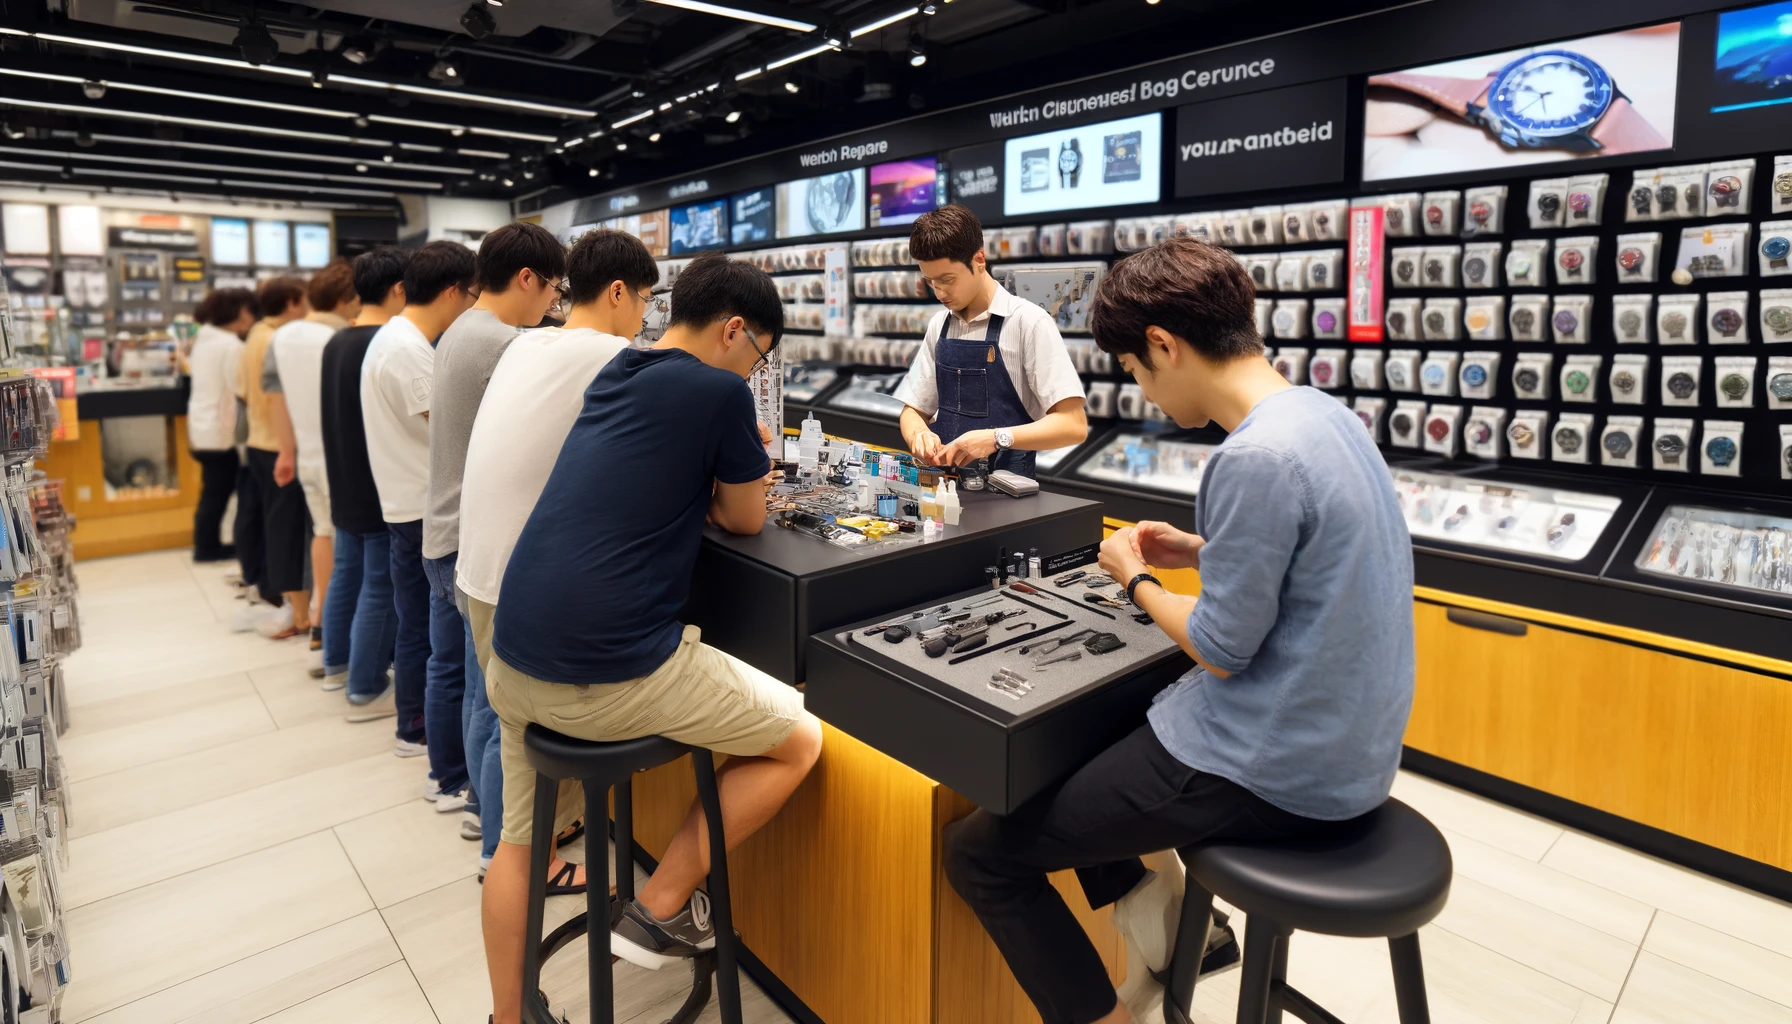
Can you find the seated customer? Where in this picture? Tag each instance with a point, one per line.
(587, 639)
(1302, 639)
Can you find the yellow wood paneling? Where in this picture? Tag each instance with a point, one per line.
(127, 525)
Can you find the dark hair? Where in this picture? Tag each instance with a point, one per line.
(602, 256)
(221, 306)
(948, 233)
(277, 294)
(331, 286)
(511, 249)
(377, 270)
(1195, 291)
(713, 287)
(435, 268)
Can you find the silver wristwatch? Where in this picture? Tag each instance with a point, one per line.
(1004, 440)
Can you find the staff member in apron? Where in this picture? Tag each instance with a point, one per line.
(993, 380)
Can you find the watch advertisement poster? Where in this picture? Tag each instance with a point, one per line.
(699, 226)
(974, 179)
(753, 216)
(1276, 139)
(1114, 163)
(1602, 95)
(901, 191)
(1754, 58)
(1368, 237)
(824, 205)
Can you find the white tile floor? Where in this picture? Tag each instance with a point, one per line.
(242, 854)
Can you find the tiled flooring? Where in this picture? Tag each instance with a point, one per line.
(242, 854)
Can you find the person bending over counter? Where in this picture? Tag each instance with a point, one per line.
(1291, 719)
(586, 639)
(992, 380)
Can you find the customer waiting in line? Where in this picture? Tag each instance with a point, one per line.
(535, 394)
(1302, 638)
(586, 638)
(225, 316)
(517, 274)
(270, 518)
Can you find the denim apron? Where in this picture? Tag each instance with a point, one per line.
(976, 393)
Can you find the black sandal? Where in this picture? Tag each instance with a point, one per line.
(561, 883)
(572, 835)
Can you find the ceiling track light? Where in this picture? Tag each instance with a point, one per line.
(732, 116)
(256, 43)
(834, 36)
(791, 87)
(448, 71)
(655, 137)
(478, 20)
(917, 48)
(360, 49)
(93, 89)
(884, 22)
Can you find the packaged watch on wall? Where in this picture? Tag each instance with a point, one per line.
(1440, 212)
(1407, 425)
(1231, 227)
(1776, 315)
(1406, 267)
(1481, 265)
(1400, 219)
(1578, 376)
(1365, 369)
(1290, 318)
(1051, 240)
(1779, 382)
(1633, 318)
(1680, 380)
(1570, 319)
(1529, 317)
(1727, 187)
(1526, 432)
(1525, 261)
(1440, 266)
(1089, 238)
(1720, 450)
(1290, 272)
(1636, 258)
(1586, 198)
(1629, 380)
(1326, 220)
(1441, 319)
(1480, 374)
(1402, 370)
(1100, 400)
(1291, 363)
(1441, 425)
(1728, 317)
(1736, 382)
(1673, 439)
(1713, 250)
(1296, 228)
(1639, 202)
(1786, 451)
(1129, 404)
(1548, 205)
(1402, 319)
(1677, 319)
(1437, 375)
(1680, 192)
(1163, 228)
(1532, 375)
(1485, 435)
(1264, 308)
(1328, 319)
(1570, 438)
(1782, 185)
(1326, 371)
(1130, 235)
(1262, 271)
(1484, 316)
(1619, 443)
(1484, 210)
(1776, 247)
(1575, 260)
(1323, 268)
(1265, 226)
(1369, 409)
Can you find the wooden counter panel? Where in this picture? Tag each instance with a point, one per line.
(1694, 748)
(126, 525)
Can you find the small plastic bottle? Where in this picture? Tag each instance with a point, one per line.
(1034, 569)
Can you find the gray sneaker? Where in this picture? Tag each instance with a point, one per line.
(645, 941)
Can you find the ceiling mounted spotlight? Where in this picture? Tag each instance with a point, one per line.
(791, 87)
(84, 140)
(361, 49)
(318, 77)
(732, 116)
(528, 175)
(834, 36)
(387, 158)
(495, 3)
(637, 93)
(447, 70)
(655, 137)
(457, 131)
(930, 9)
(917, 48)
(361, 168)
(478, 20)
(256, 43)
(592, 172)
(65, 174)
(622, 147)
(508, 183)
(93, 89)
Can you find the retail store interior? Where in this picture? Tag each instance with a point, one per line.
(322, 319)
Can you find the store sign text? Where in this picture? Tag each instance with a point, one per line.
(848, 153)
(624, 202)
(1138, 92)
(1316, 132)
(689, 188)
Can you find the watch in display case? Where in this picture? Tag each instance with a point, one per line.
(1294, 224)
(1627, 380)
(1437, 376)
(1670, 444)
(1578, 375)
(1631, 318)
(1728, 549)
(1618, 444)
(1729, 317)
(1441, 318)
(1568, 440)
(1569, 319)
(1682, 385)
(1636, 256)
(1547, 197)
(1480, 371)
(1774, 251)
(1402, 371)
(1485, 317)
(1508, 514)
(1441, 429)
(1481, 265)
(1642, 203)
(1677, 319)
(1485, 435)
(1722, 449)
(1530, 376)
(1070, 163)
(1369, 409)
(1576, 259)
(1779, 382)
(1406, 268)
(1406, 426)
(1439, 211)
(1725, 191)
(1326, 371)
(1680, 380)
(1365, 370)
(1522, 435)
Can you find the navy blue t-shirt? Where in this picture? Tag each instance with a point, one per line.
(603, 566)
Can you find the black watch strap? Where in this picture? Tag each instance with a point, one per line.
(1144, 577)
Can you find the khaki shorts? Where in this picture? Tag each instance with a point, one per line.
(317, 499)
(699, 696)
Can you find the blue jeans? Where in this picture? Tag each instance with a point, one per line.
(367, 599)
(410, 654)
(481, 725)
(446, 685)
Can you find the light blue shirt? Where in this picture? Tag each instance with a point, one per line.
(1306, 600)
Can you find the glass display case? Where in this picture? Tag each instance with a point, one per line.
(1731, 549)
(871, 393)
(805, 383)
(1146, 460)
(1540, 521)
(1048, 461)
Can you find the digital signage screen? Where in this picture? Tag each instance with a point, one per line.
(974, 179)
(1604, 95)
(755, 214)
(902, 190)
(273, 243)
(1115, 163)
(230, 242)
(699, 226)
(1753, 65)
(824, 205)
(311, 243)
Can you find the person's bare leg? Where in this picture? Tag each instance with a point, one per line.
(504, 914)
(300, 600)
(323, 562)
(752, 789)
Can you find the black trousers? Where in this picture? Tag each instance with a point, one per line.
(251, 549)
(285, 530)
(1134, 798)
(217, 478)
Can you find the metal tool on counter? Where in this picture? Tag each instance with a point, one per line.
(981, 601)
(976, 641)
(1048, 646)
(1020, 625)
(1068, 579)
(1010, 642)
(1094, 598)
(1023, 588)
(1074, 654)
(1010, 683)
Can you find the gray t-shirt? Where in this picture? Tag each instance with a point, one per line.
(465, 356)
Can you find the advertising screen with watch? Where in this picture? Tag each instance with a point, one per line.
(1602, 95)
(1753, 59)
(1114, 163)
(753, 216)
(827, 204)
(902, 190)
(699, 226)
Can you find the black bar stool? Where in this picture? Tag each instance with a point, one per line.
(599, 766)
(1385, 878)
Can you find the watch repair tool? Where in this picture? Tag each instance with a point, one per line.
(1010, 642)
(1074, 654)
(1060, 597)
(1094, 598)
(958, 616)
(1011, 674)
(874, 630)
(1103, 643)
(981, 601)
(1065, 581)
(1098, 579)
(971, 643)
(1051, 645)
(897, 633)
(1020, 625)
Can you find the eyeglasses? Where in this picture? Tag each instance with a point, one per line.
(764, 356)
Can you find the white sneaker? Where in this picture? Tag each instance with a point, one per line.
(448, 803)
(383, 706)
(248, 616)
(335, 682)
(469, 826)
(275, 622)
(314, 663)
(1148, 916)
(405, 748)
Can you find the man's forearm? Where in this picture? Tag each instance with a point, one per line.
(277, 411)
(1052, 431)
(1171, 613)
(911, 423)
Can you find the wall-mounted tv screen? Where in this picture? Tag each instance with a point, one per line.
(754, 218)
(1753, 65)
(903, 190)
(311, 245)
(699, 226)
(273, 243)
(230, 242)
(1115, 163)
(824, 205)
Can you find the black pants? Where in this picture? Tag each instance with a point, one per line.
(217, 478)
(285, 530)
(251, 549)
(1133, 798)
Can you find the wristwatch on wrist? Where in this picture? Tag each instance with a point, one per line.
(1133, 584)
(1070, 163)
(1004, 440)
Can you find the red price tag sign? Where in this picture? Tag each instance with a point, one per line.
(1368, 236)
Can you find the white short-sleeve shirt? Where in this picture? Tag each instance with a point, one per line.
(1032, 350)
(396, 379)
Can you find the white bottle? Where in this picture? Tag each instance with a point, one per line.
(949, 506)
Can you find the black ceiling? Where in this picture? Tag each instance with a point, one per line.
(353, 102)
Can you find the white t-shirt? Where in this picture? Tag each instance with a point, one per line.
(297, 355)
(396, 378)
(534, 397)
(211, 404)
(1032, 351)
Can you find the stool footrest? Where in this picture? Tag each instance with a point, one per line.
(1287, 997)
